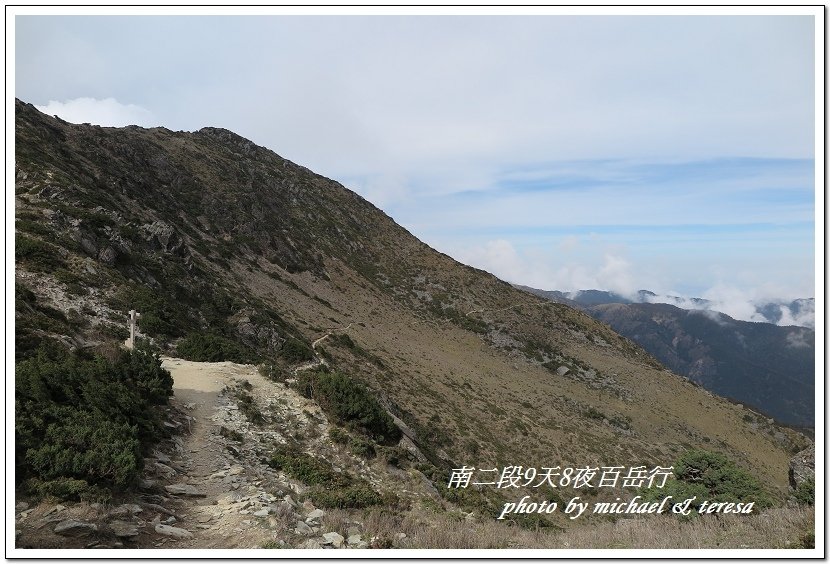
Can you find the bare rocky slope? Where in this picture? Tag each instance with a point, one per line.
(223, 244)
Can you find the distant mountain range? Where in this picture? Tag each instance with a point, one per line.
(799, 312)
(767, 366)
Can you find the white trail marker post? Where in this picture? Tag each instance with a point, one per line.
(133, 325)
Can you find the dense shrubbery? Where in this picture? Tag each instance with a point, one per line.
(33, 320)
(357, 444)
(207, 347)
(711, 476)
(805, 493)
(294, 350)
(304, 467)
(81, 423)
(354, 496)
(328, 489)
(349, 403)
(36, 254)
(161, 316)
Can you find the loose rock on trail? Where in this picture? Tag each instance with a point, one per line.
(209, 485)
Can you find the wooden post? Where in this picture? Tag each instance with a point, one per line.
(133, 324)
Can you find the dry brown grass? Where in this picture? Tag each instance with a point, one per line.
(775, 528)
(457, 391)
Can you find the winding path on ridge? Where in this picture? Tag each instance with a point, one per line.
(318, 360)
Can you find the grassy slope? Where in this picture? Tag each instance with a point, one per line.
(341, 260)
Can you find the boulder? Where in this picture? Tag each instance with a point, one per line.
(73, 528)
(315, 514)
(163, 237)
(174, 532)
(108, 255)
(88, 245)
(123, 529)
(354, 539)
(803, 467)
(334, 539)
(125, 510)
(183, 489)
(302, 529)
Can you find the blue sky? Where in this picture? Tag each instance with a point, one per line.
(673, 153)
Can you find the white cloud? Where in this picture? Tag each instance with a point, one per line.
(589, 263)
(616, 276)
(806, 317)
(498, 257)
(734, 302)
(108, 112)
(740, 304)
(601, 266)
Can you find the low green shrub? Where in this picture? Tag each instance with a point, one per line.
(355, 496)
(339, 436)
(162, 316)
(272, 372)
(208, 347)
(328, 488)
(247, 405)
(393, 455)
(723, 480)
(807, 540)
(348, 402)
(306, 468)
(362, 447)
(294, 351)
(81, 420)
(231, 434)
(69, 488)
(711, 476)
(805, 493)
(486, 501)
(36, 254)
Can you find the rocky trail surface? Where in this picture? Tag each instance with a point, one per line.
(209, 486)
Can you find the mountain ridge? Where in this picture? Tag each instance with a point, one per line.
(767, 366)
(766, 311)
(216, 240)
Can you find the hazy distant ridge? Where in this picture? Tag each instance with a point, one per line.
(768, 366)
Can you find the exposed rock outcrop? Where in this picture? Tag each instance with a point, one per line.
(803, 467)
